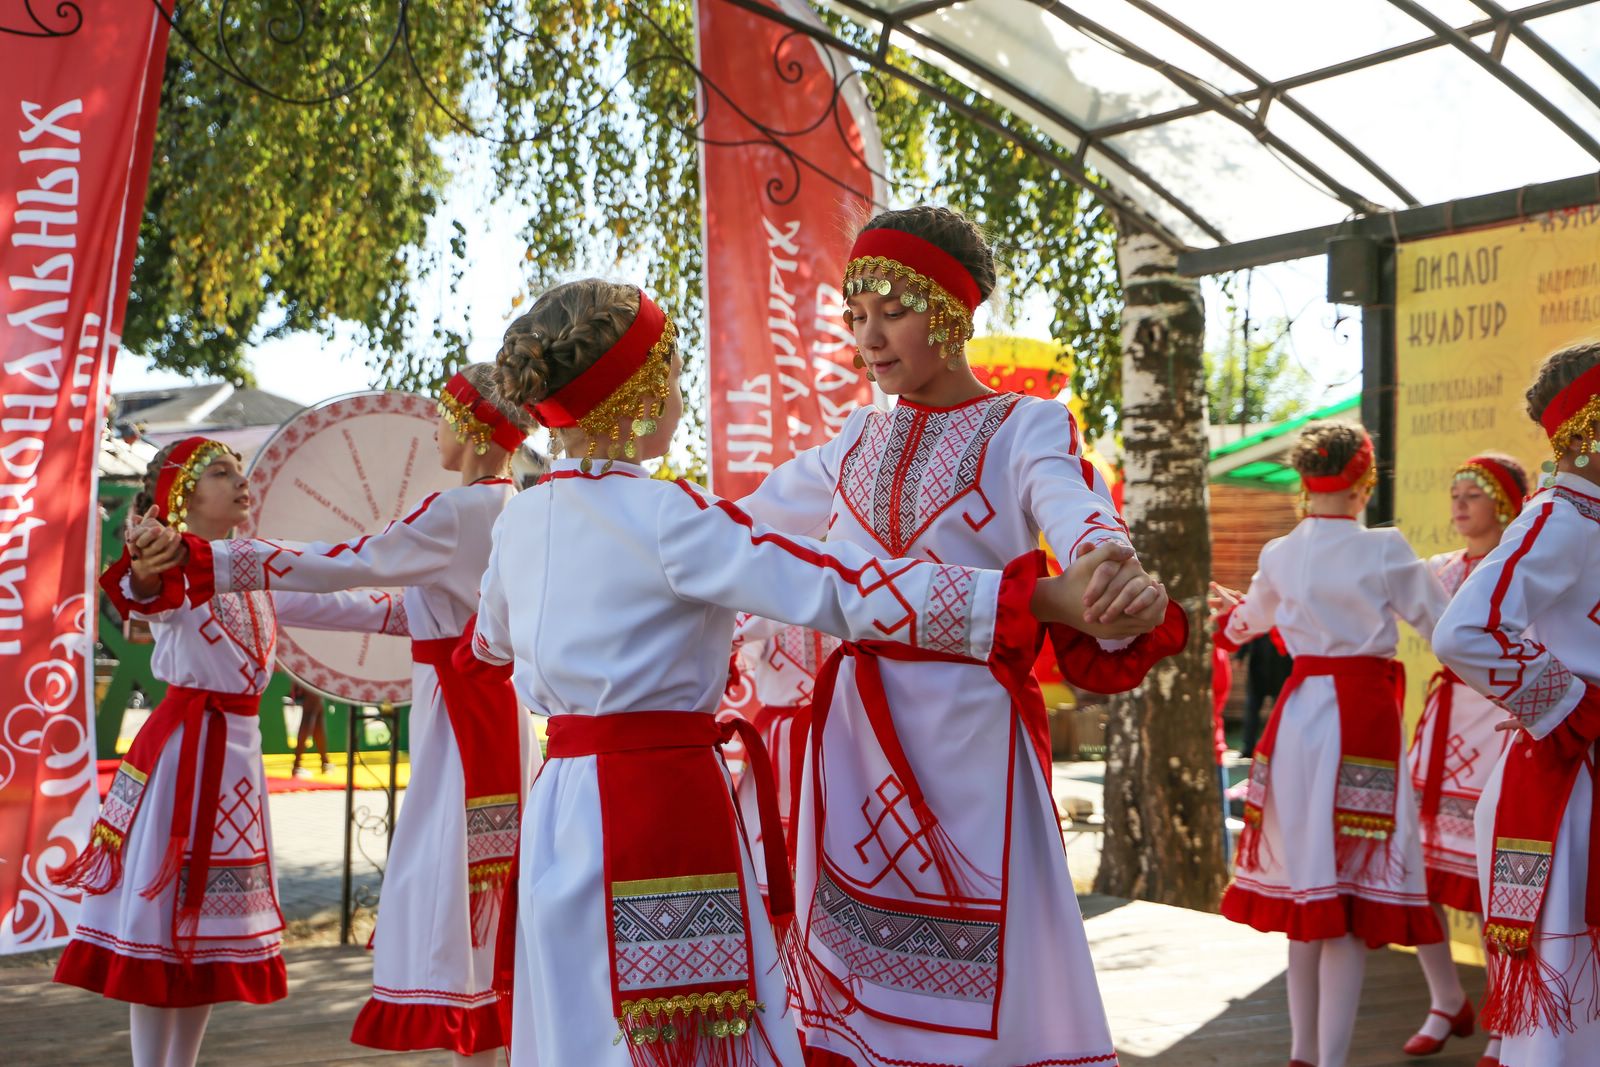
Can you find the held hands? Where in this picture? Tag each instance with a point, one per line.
(1222, 600)
(152, 548)
(1105, 593)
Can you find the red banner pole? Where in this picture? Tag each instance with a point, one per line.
(81, 91)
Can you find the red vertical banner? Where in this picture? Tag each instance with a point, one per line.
(79, 85)
(789, 166)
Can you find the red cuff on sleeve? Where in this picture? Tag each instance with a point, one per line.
(1581, 727)
(466, 661)
(1089, 667)
(199, 570)
(1017, 634)
(1224, 642)
(170, 596)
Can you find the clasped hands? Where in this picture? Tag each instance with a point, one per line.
(1104, 592)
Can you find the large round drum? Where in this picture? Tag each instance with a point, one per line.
(346, 467)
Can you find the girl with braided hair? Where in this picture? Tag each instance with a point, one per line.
(1330, 853)
(180, 900)
(1455, 747)
(472, 750)
(611, 597)
(1524, 631)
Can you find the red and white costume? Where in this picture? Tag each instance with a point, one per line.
(432, 973)
(1525, 630)
(1332, 848)
(614, 596)
(781, 663)
(936, 912)
(144, 935)
(1450, 766)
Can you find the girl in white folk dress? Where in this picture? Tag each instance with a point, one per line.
(181, 903)
(472, 749)
(937, 921)
(1455, 747)
(612, 597)
(1330, 854)
(1524, 630)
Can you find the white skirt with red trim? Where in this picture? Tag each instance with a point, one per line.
(430, 984)
(124, 947)
(1559, 935)
(1299, 889)
(1449, 850)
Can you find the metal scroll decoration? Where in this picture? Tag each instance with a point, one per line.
(287, 24)
(65, 19)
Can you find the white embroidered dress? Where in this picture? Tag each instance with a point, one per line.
(996, 973)
(616, 593)
(1332, 588)
(1471, 750)
(1525, 629)
(124, 945)
(430, 985)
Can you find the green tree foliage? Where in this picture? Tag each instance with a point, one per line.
(268, 215)
(1254, 376)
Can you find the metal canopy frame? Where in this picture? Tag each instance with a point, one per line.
(1247, 108)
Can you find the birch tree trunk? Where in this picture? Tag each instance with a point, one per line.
(1163, 838)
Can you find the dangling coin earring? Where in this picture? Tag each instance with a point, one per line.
(587, 462)
(861, 363)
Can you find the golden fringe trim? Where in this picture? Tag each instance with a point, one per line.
(1508, 938)
(481, 876)
(661, 1010)
(1371, 827)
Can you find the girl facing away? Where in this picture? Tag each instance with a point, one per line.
(612, 597)
(1330, 854)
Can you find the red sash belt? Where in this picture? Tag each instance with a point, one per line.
(768, 718)
(485, 719)
(1441, 701)
(197, 787)
(669, 829)
(1369, 690)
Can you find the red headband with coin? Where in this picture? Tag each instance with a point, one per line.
(185, 463)
(1353, 472)
(1573, 413)
(917, 256)
(1496, 479)
(461, 400)
(568, 405)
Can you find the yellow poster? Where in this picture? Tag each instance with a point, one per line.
(1475, 314)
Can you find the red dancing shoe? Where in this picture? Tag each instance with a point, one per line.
(1300, 1063)
(1462, 1024)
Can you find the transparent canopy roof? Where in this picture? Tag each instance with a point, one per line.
(1220, 121)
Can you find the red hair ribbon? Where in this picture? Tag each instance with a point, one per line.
(503, 431)
(1353, 471)
(924, 257)
(569, 404)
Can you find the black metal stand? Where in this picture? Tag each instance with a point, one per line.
(363, 821)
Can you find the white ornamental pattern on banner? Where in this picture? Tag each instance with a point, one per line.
(47, 726)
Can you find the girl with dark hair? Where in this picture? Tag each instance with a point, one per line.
(1522, 630)
(937, 919)
(1330, 853)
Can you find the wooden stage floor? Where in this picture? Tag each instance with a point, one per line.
(1182, 989)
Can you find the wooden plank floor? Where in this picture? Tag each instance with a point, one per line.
(1182, 989)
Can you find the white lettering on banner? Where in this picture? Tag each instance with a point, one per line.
(782, 325)
(30, 389)
(747, 442)
(831, 374)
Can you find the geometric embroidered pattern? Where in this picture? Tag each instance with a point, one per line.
(1542, 694)
(947, 613)
(909, 465)
(491, 830)
(1586, 506)
(233, 892)
(950, 958)
(1366, 786)
(122, 800)
(1520, 875)
(672, 938)
(239, 830)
